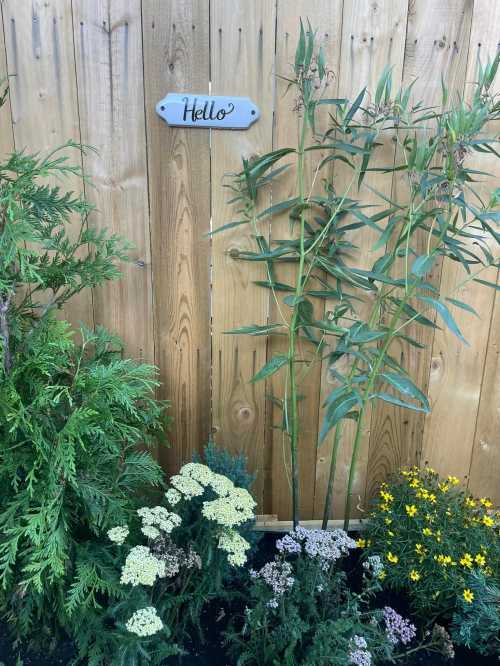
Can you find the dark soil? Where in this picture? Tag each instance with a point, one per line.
(211, 652)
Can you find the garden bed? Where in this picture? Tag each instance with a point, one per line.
(211, 651)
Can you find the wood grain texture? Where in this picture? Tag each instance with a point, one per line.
(108, 51)
(242, 58)
(373, 36)
(326, 17)
(40, 60)
(6, 130)
(437, 43)
(457, 370)
(484, 471)
(176, 58)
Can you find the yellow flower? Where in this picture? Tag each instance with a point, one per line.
(444, 560)
(382, 575)
(414, 483)
(430, 470)
(480, 559)
(393, 559)
(438, 536)
(468, 595)
(427, 531)
(411, 510)
(429, 518)
(466, 560)
(470, 503)
(453, 480)
(385, 507)
(391, 534)
(420, 550)
(432, 498)
(414, 575)
(387, 497)
(444, 487)
(486, 502)
(361, 543)
(387, 521)
(489, 522)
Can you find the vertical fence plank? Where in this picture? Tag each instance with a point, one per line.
(40, 58)
(108, 50)
(373, 36)
(437, 43)
(6, 132)
(326, 18)
(485, 456)
(242, 57)
(176, 58)
(457, 370)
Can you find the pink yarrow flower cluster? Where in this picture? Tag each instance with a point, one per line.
(398, 629)
(325, 546)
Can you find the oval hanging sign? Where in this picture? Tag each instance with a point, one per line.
(191, 110)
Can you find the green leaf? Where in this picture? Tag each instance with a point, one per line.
(355, 106)
(423, 264)
(486, 283)
(270, 368)
(405, 386)
(279, 207)
(230, 225)
(300, 51)
(253, 329)
(445, 315)
(338, 410)
(387, 397)
(464, 306)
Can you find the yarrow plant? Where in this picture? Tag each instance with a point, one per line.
(435, 540)
(172, 561)
(301, 610)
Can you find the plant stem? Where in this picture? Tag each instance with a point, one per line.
(331, 476)
(292, 342)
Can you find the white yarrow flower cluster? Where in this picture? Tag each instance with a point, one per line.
(232, 506)
(141, 567)
(145, 622)
(118, 534)
(235, 546)
(157, 519)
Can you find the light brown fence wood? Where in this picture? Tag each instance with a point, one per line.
(93, 71)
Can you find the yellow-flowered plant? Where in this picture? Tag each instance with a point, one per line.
(434, 537)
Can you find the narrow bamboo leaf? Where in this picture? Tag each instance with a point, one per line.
(361, 333)
(411, 341)
(387, 397)
(301, 49)
(464, 306)
(230, 225)
(445, 315)
(423, 264)
(279, 207)
(337, 411)
(334, 101)
(253, 329)
(270, 368)
(277, 286)
(488, 284)
(405, 386)
(355, 106)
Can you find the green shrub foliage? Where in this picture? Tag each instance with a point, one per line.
(72, 414)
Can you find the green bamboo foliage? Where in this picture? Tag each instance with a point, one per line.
(442, 206)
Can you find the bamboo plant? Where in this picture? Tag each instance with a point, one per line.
(444, 217)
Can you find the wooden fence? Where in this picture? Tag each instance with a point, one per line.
(93, 70)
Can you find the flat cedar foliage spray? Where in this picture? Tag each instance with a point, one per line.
(444, 216)
(72, 414)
